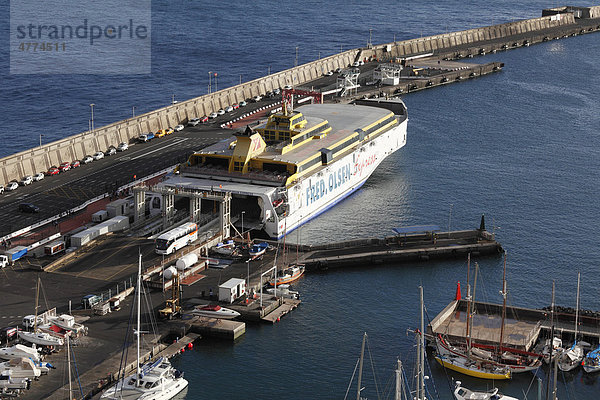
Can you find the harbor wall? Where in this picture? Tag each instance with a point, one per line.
(439, 43)
(40, 158)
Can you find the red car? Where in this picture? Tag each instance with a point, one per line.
(64, 167)
(75, 164)
(53, 171)
(236, 106)
(204, 119)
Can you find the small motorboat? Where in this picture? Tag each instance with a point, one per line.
(20, 351)
(284, 292)
(571, 358)
(462, 393)
(11, 385)
(41, 338)
(22, 368)
(215, 311)
(258, 249)
(289, 275)
(591, 362)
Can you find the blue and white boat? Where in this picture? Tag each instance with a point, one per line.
(258, 249)
(591, 362)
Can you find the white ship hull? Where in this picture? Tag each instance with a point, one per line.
(316, 194)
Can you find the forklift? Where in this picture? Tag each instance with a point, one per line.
(173, 305)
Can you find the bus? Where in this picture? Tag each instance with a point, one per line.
(173, 240)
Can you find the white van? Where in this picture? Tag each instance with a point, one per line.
(29, 321)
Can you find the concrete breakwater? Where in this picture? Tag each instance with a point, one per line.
(40, 158)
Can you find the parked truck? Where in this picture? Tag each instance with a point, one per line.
(15, 253)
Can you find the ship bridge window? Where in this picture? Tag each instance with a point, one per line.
(238, 166)
(218, 161)
(274, 167)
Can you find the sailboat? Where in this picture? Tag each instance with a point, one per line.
(516, 360)
(469, 363)
(156, 380)
(572, 357)
(36, 336)
(591, 362)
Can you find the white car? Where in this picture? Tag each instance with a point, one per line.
(355, 64)
(256, 98)
(212, 115)
(243, 104)
(228, 109)
(179, 128)
(12, 186)
(287, 87)
(122, 146)
(328, 73)
(192, 122)
(88, 159)
(38, 177)
(27, 180)
(1, 189)
(98, 156)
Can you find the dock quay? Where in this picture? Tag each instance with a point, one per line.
(523, 326)
(412, 245)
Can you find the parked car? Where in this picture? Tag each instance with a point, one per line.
(98, 156)
(193, 122)
(160, 133)
(146, 137)
(277, 91)
(38, 177)
(170, 130)
(338, 70)
(27, 180)
(52, 171)
(75, 164)
(212, 115)
(110, 151)
(122, 146)
(287, 87)
(243, 103)
(29, 208)
(64, 167)
(12, 186)
(256, 99)
(328, 73)
(204, 119)
(87, 159)
(228, 109)
(221, 112)
(235, 106)
(1, 189)
(178, 128)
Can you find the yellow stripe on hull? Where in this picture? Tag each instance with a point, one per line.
(475, 373)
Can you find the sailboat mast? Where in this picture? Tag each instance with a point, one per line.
(139, 297)
(503, 293)
(421, 379)
(577, 307)
(398, 395)
(468, 293)
(469, 321)
(37, 302)
(362, 356)
(67, 336)
(551, 345)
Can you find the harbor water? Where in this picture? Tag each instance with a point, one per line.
(520, 146)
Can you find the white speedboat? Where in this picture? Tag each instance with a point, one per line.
(19, 351)
(41, 338)
(156, 381)
(215, 311)
(284, 292)
(21, 368)
(462, 393)
(10, 385)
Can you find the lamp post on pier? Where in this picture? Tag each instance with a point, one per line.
(133, 112)
(209, 81)
(296, 61)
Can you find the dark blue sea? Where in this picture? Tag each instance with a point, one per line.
(520, 146)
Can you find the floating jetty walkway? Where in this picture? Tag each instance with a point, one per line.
(410, 244)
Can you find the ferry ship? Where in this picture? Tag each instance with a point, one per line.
(298, 163)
